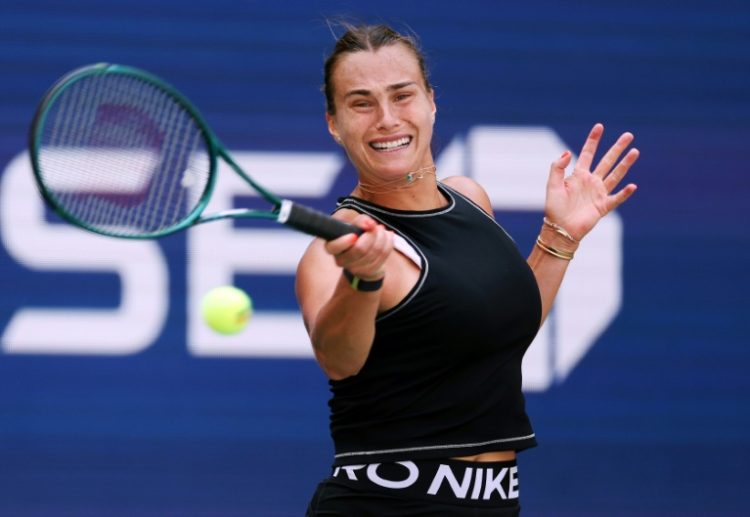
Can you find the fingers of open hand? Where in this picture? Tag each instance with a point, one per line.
(614, 178)
(609, 170)
(586, 158)
(620, 197)
(613, 154)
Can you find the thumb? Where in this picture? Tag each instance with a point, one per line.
(365, 222)
(341, 244)
(557, 169)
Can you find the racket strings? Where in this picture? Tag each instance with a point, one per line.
(72, 127)
(148, 219)
(121, 155)
(171, 187)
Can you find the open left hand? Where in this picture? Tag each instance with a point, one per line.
(578, 202)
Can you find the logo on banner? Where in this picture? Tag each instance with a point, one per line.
(512, 163)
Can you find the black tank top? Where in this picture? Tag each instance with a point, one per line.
(443, 377)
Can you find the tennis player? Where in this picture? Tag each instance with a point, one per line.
(421, 322)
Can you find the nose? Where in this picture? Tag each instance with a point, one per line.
(387, 117)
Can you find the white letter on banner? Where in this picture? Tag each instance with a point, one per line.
(219, 250)
(37, 245)
(372, 474)
(512, 164)
(445, 473)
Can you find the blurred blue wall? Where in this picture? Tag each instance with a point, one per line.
(653, 420)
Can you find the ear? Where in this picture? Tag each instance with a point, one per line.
(434, 106)
(332, 128)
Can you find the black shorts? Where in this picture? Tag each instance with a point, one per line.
(419, 488)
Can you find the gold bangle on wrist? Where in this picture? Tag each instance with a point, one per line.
(559, 229)
(565, 255)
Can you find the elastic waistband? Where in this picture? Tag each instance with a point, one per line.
(491, 484)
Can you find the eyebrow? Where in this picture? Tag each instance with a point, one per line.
(391, 88)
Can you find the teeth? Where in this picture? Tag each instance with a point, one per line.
(386, 146)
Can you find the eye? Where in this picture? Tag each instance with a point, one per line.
(402, 96)
(361, 104)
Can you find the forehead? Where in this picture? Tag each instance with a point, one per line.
(370, 70)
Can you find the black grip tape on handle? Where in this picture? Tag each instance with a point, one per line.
(313, 222)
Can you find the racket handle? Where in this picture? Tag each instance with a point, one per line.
(313, 222)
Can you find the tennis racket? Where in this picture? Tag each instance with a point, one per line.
(117, 151)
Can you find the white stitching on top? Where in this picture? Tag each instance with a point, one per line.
(433, 447)
(364, 205)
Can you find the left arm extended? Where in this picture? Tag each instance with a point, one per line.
(573, 206)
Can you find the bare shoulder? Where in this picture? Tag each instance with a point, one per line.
(345, 214)
(471, 189)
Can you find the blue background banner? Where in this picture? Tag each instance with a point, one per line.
(146, 414)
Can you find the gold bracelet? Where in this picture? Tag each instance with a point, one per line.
(559, 229)
(565, 255)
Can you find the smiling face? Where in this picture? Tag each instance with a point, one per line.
(383, 112)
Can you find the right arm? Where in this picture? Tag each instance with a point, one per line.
(339, 319)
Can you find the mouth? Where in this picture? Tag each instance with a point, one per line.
(394, 144)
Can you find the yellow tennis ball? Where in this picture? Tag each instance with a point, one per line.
(227, 309)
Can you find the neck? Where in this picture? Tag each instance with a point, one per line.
(416, 190)
(406, 181)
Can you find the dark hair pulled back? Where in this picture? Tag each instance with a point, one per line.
(359, 38)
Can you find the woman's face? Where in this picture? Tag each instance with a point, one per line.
(384, 114)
